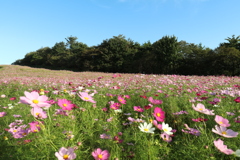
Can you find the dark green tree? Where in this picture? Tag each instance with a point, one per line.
(232, 42)
(167, 55)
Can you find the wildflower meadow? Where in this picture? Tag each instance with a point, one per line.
(63, 115)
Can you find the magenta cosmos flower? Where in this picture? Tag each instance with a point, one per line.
(138, 109)
(201, 108)
(86, 97)
(65, 154)
(34, 100)
(38, 113)
(223, 148)
(223, 131)
(154, 101)
(65, 104)
(222, 121)
(98, 154)
(121, 100)
(159, 114)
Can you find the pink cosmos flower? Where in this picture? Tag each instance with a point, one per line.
(223, 131)
(115, 106)
(2, 114)
(222, 121)
(223, 148)
(34, 100)
(65, 104)
(65, 154)
(154, 101)
(61, 112)
(104, 109)
(138, 109)
(159, 114)
(199, 120)
(98, 154)
(86, 97)
(166, 137)
(35, 126)
(105, 136)
(155, 123)
(121, 100)
(191, 131)
(38, 113)
(19, 132)
(201, 108)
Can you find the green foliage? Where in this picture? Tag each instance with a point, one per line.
(118, 54)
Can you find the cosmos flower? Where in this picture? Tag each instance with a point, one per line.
(35, 126)
(147, 128)
(121, 100)
(138, 109)
(154, 101)
(2, 114)
(221, 147)
(222, 121)
(191, 130)
(155, 123)
(65, 154)
(65, 104)
(167, 129)
(86, 97)
(201, 108)
(159, 114)
(223, 131)
(98, 154)
(33, 99)
(166, 137)
(38, 113)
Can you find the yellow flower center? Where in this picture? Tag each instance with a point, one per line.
(224, 132)
(158, 114)
(165, 129)
(146, 129)
(14, 130)
(41, 90)
(24, 134)
(200, 109)
(220, 122)
(65, 105)
(65, 90)
(86, 98)
(100, 156)
(65, 156)
(37, 114)
(35, 101)
(35, 130)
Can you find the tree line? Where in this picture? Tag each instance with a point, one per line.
(118, 54)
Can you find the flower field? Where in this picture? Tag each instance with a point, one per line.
(65, 115)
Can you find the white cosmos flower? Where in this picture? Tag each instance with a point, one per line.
(147, 128)
(166, 128)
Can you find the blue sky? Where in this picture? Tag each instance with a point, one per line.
(28, 25)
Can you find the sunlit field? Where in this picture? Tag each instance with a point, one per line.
(67, 115)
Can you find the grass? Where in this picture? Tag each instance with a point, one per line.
(85, 123)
